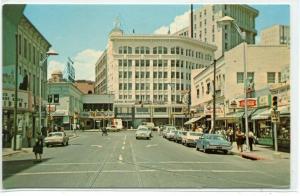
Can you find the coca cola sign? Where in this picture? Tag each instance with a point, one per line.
(240, 103)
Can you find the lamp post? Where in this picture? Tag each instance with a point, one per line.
(228, 20)
(49, 53)
(171, 86)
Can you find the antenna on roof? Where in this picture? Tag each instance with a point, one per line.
(133, 31)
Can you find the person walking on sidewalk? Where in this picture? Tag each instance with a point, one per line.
(239, 139)
(251, 140)
(38, 147)
(229, 134)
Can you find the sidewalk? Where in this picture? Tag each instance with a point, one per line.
(10, 151)
(260, 152)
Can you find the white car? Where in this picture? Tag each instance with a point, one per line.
(191, 138)
(55, 138)
(143, 132)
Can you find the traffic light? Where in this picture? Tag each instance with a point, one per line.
(56, 98)
(49, 98)
(274, 102)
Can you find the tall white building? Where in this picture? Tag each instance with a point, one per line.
(152, 69)
(205, 26)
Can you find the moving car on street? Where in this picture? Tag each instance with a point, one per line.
(143, 132)
(191, 138)
(55, 138)
(167, 129)
(213, 142)
(171, 134)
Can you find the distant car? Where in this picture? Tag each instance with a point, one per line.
(167, 129)
(191, 138)
(178, 136)
(213, 142)
(55, 138)
(143, 132)
(150, 125)
(171, 134)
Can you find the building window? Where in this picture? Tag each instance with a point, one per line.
(125, 86)
(120, 86)
(129, 63)
(172, 63)
(240, 77)
(129, 86)
(142, 86)
(129, 50)
(147, 63)
(213, 38)
(137, 86)
(159, 63)
(142, 63)
(172, 74)
(137, 74)
(120, 74)
(147, 74)
(271, 77)
(147, 50)
(279, 77)
(165, 86)
(155, 50)
(226, 46)
(160, 85)
(142, 50)
(125, 49)
(250, 76)
(120, 63)
(137, 50)
(25, 48)
(160, 74)
(125, 74)
(155, 86)
(165, 50)
(129, 74)
(165, 63)
(198, 93)
(137, 63)
(165, 74)
(154, 63)
(173, 50)
(154, 74)
(142, 74)
(120, 50)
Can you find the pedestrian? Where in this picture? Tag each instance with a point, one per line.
(229, 134)
(239, 139)
(78, 127)
(251, 140)
(38, 147)
(5, 136)
(28, 136)
(44, 131)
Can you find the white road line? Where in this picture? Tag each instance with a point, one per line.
(131, 171)
(99, 146)
(120, 158)
(123, 147)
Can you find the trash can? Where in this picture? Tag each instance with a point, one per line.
(18, 142)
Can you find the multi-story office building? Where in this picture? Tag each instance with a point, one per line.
(265, 65)
(205, 26)
(148, 69)
(32, 48)
(275, 35)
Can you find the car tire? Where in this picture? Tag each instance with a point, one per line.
(197, 148)
(136, 137)
(148, 138)
(225, 151)
(63, 143)
(67, 143)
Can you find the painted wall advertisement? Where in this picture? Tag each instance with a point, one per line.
(8, 99)
(240, 103)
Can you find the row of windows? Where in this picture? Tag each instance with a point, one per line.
(160, 50)
(271, 77)
(177, 75)
(159, 63)
(155, 98)
(28, 50)
(146, 86)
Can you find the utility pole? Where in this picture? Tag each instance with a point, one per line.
(16, 96)
(214, 98)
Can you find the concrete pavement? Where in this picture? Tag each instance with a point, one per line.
(10, 151)
(260, 152)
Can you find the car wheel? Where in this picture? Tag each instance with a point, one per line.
(67, 143)
(148, 138)
(63, 143)
(136, 137)
(197, 148)
(225, 151)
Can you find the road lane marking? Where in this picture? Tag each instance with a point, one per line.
(136, 166)
(120, 158)
(130, 171)
(123, 147)
(151, 145)
(99, 146)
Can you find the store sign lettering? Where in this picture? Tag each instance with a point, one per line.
(8, 98)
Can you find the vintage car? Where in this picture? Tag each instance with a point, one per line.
(213, 142)
(143, 132)
(55, 138)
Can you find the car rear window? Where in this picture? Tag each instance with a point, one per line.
(195, 134)
(55, 134)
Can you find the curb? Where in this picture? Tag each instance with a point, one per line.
(249, 156)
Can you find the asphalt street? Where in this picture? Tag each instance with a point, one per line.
(120, 161)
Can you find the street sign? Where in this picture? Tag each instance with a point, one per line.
(275, 116)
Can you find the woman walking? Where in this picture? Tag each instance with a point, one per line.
(239, 139)
(38, 147)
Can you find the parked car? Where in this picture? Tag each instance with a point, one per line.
(150, 125)
(171, 134)
(191, 138)
(55, 138)
(143, 132)
(213, 142)
(178, 136)
(167, 129)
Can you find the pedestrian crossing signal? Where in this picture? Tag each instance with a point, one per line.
(56, 98)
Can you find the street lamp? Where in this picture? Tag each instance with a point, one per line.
(171, 86)
(227, 20)
(49, 53)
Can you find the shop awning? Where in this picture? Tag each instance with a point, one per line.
(193, 120)
(234, 115)
(260, 114)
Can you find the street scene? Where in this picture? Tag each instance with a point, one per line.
(191, 96)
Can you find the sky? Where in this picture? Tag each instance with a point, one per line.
(81, 31)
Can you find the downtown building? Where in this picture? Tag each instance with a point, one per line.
(150, 75)
(268, 76)
(204, 26)
(31, 49)
(275, 35)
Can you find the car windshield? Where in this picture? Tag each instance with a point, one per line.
(55, 134)
(216, 137)
(143, 129)
(195, 134)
